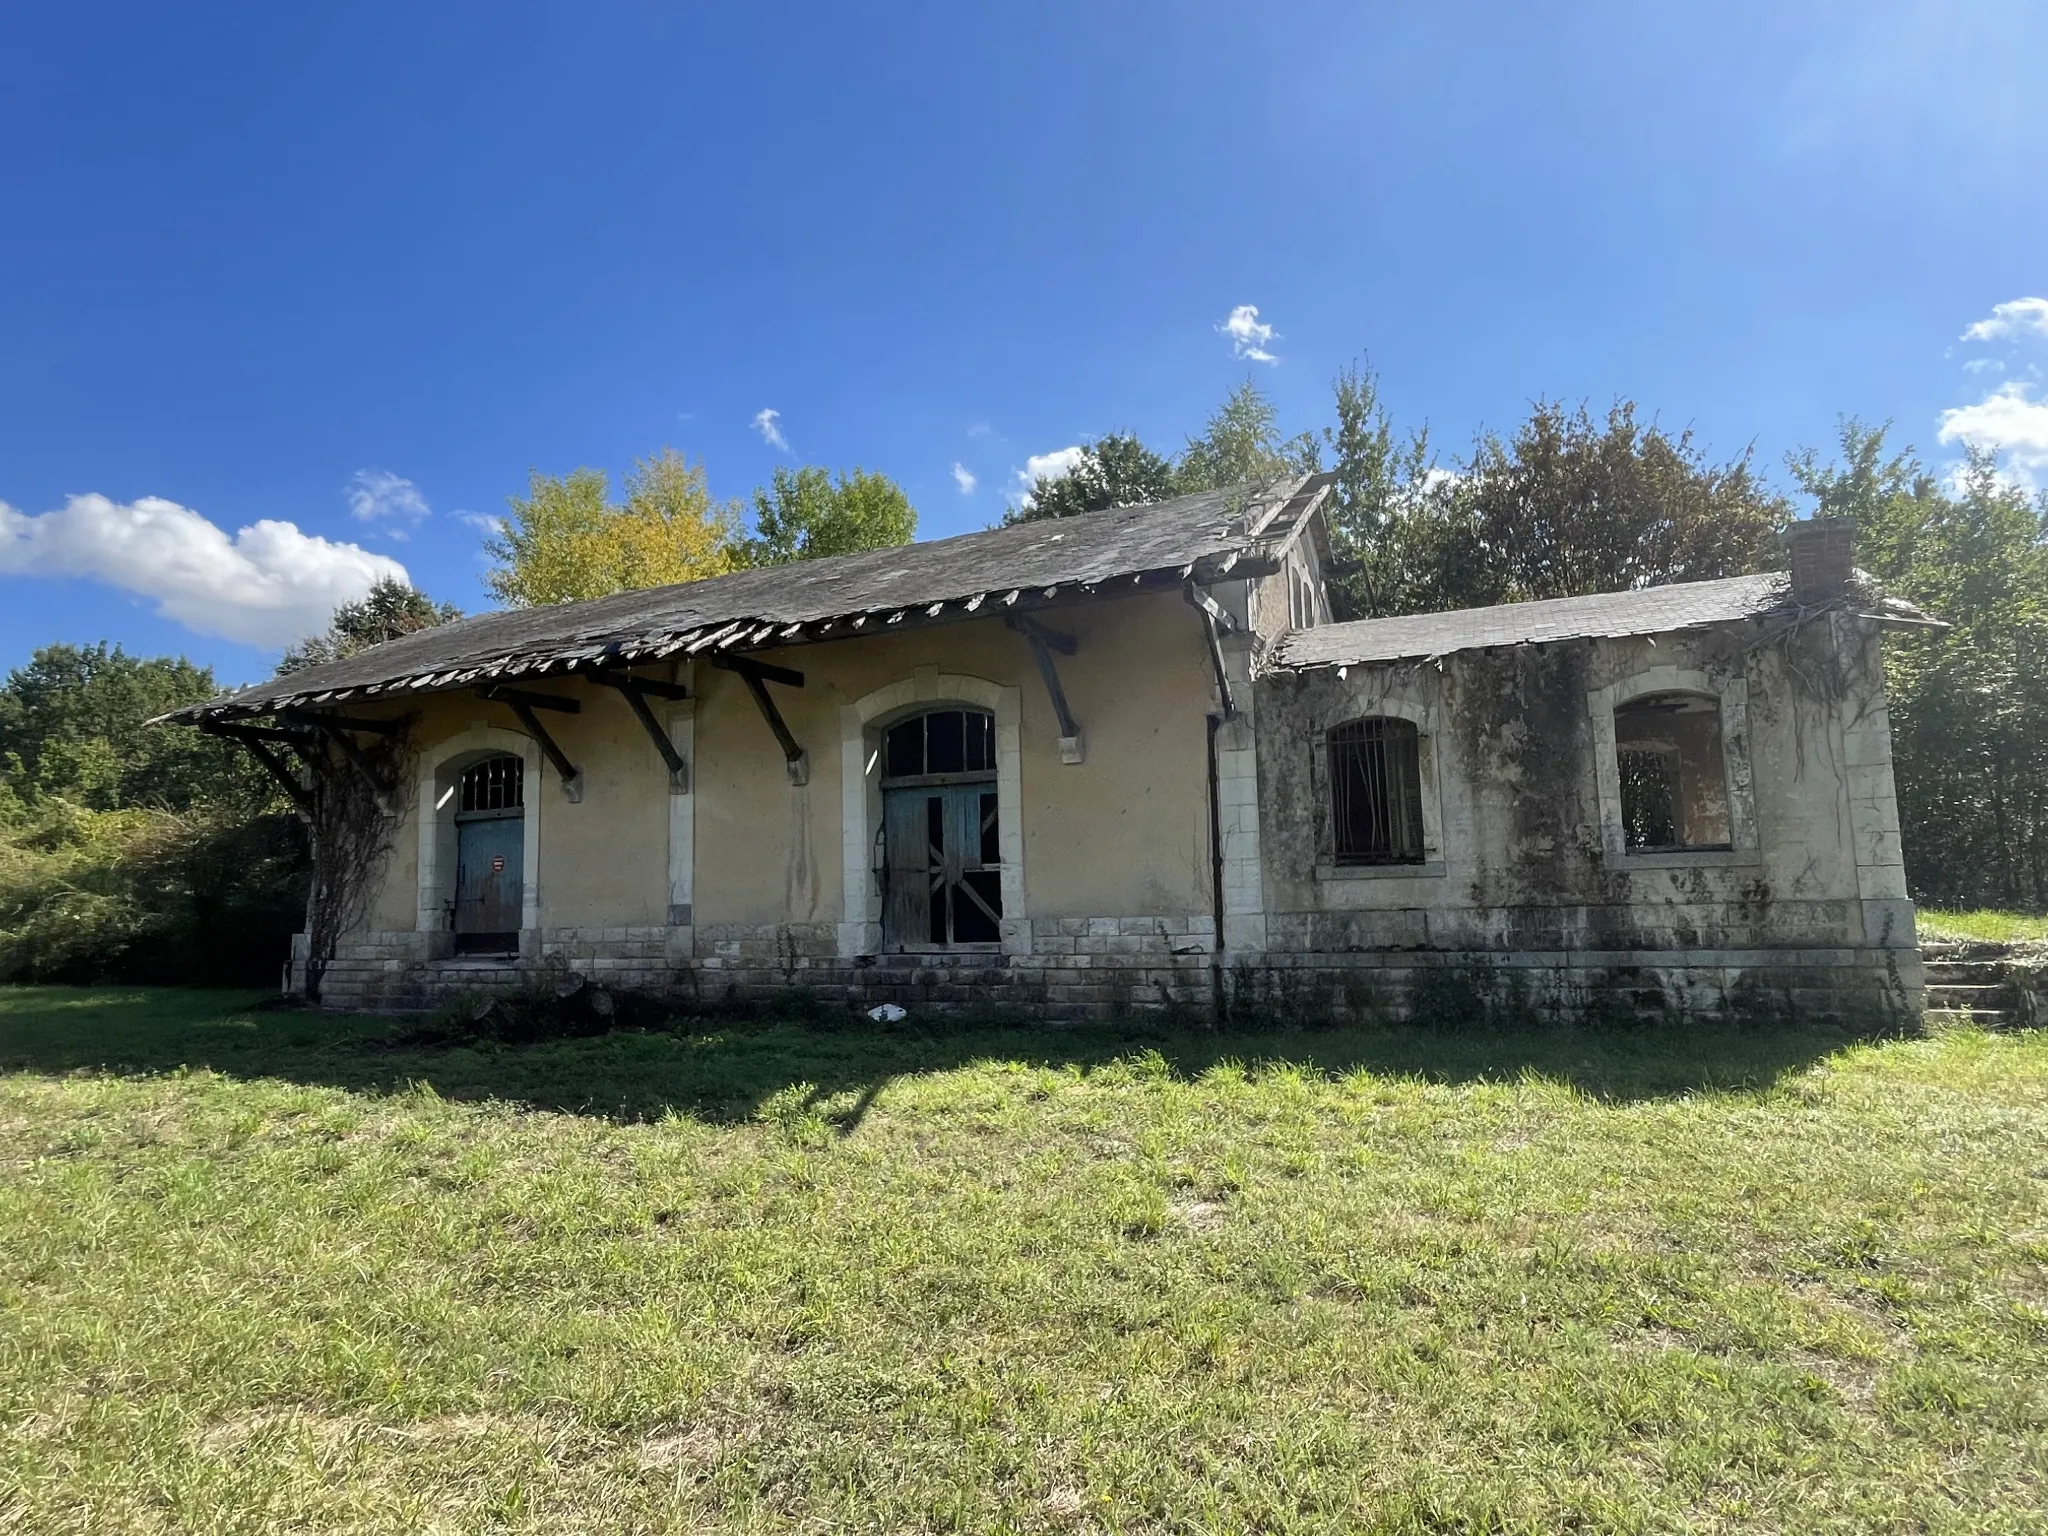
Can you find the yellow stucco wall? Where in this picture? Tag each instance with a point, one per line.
(1124, 833)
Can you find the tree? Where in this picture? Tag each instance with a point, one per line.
(1375, 480)
(132, 851)
(566, 540)
(1969, 706)
(391, 608)
(1115, 470)
(806, 514)
(1570, 506)
(74, 726)
(1241, 445)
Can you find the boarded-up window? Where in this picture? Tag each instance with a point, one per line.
(1376, 791)
(1674, 782)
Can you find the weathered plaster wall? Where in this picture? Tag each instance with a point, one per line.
(1523, 860)
(1525, 886)
(1124, 832)
(1119, 839)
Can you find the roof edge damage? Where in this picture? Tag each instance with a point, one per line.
(1202, 538)
(1601, 616)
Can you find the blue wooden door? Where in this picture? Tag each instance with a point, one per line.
(490, 882)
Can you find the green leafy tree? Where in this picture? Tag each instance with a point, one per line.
(130, 851)
(74, 726)
(391, 608)
(1115, 470)
(1969, 706)
(566, 540)
(1570, 505)
(1376, 479)
(1241, 445)
(805, 514)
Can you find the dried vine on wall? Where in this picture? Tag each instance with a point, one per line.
(351, 827)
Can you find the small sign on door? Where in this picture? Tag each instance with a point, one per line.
(498, 864)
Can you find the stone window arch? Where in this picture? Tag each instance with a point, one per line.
(1410, 722)
(1671, 751)
(439, 798)
(863, 724)
(1375, 798)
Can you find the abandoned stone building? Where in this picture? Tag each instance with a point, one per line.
(1115, 761)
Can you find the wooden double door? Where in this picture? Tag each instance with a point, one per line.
(943, 882)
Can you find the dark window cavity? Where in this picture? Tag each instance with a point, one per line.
(1376, 791)
(947, 745)
(1674, 781)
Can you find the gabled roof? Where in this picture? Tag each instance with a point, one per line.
(1604, 616)
(1192, 537)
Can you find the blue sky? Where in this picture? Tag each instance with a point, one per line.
(266, 267)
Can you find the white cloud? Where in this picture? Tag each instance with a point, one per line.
(1248, 336)
(2009, 319)
(964, 478)
(1045, 466)
(267, 586)
(481, 522)
(378, 496)
(2008, 422)
(771, 434)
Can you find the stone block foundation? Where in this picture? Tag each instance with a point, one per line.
(1105, 967)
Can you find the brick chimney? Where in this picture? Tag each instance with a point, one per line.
(1822, 551)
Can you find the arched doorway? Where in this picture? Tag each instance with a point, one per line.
(941, 845)
(490, 864)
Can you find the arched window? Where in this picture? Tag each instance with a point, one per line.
(941, 850)
(1674, 779)
(1376, 791)
(490, 844)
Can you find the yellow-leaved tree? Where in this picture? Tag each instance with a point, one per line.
(565, 540)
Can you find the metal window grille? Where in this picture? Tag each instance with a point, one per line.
(1649, 798)
(1376, 791)
(495, 784)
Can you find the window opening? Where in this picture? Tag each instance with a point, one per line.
(1674, 780)
(947, 745)
(497, 785)
(1376, 791)
(941, 831)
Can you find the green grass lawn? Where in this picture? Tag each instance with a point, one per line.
(1999, 927)
(260, 1271)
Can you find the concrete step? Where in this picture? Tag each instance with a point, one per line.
(1965, 972)
(1978, 1018)
(1964, 949)
(1945, 994)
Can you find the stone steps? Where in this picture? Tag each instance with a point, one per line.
(1971, 982)
(1996, 997)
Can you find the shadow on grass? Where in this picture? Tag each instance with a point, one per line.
(725, 1070)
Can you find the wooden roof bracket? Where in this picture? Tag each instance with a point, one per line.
(523, 704)
(757, 675)
(1043, 643)
(1215, 619)
(252, 738)
(336, 728)
(636, 690)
